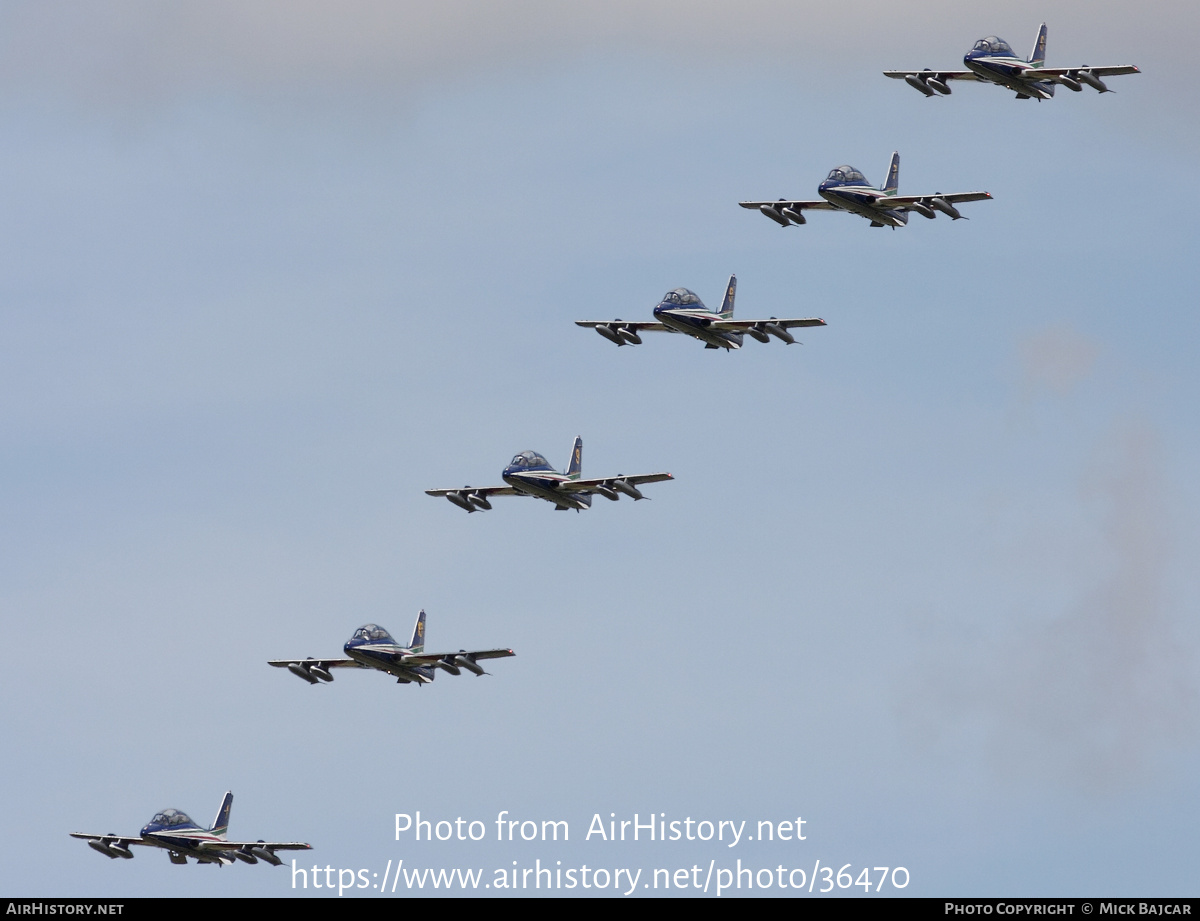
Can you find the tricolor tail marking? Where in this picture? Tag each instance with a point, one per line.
(730, 293)
(892, 183)
(575, 467)
(221, 823)
(1038, 57)
(418, 638)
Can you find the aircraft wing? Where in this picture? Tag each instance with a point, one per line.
(819, 205)
(572, 486)
(907, 201)
(473, 498)
(118, 840)
(741, 325)
(484, 491)
(320, 663)
(430, 658)
(942, 75)
(641, 326)
(224, 852)
(1098, 71)
(246, 845)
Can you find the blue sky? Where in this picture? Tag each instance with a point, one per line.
(270, 272)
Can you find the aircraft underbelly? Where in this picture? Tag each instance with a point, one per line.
(863, 206)
(411, 675)
(879, 215)
(186, 847)
(1027, 88)
(540, 491)
(698, 330)
(1013, 79)
(370, 658)
(388, 662)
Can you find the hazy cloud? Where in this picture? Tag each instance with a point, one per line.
(1105, 687)
(117, 48)
(1057, 358)
(1100, 691)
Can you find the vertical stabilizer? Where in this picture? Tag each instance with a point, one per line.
(1038, 56)
(575, 467)
(418, 638)
(730, 292)
(892, 183)
(220, 825)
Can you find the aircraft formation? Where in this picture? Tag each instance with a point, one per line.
(991, 60)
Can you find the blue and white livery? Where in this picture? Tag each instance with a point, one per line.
(530, 474)
(182, 838)
(373, 647)
(992, 60)
(846, 189)
(680, 311)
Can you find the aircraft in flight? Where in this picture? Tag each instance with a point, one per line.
(373, 647)
(680, 311)
(846, 189)
(530, 474)
(182, 838)
(992, 60)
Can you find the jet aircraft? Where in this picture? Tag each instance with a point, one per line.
(680, 311)
(530, 474)
(992, 60)
(373, 647)
(182, 838)
(846, 189)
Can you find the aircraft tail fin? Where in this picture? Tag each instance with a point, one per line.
(730, 292)
(1038, 56)
(575, 467)
(418, 638)
(220, 825)
(892, 183)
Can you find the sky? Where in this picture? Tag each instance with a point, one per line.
(270, 270)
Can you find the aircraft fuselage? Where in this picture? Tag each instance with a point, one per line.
(863, 201)
(696, 323)
(187, 842)
(387, 658)
(543, 484)
(1012, 73)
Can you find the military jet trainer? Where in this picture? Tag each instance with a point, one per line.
(680, 311)
(530, 474)
(373, 647)
(846, 189)
(182, 838)
(992, 60)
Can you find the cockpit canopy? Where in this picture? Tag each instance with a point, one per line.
(846, 175)
(682, 297)
(529, 459)
(993, 45)
(373, 633)
(170, 818)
